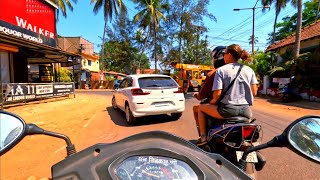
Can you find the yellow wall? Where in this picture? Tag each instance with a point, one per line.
(94, 65)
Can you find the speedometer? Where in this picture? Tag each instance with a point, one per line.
(154, 167)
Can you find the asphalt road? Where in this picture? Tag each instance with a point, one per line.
(89, 119)
(282, 163)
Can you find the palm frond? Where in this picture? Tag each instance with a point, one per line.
(276, 69)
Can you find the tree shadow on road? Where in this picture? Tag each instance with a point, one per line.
(118, 117)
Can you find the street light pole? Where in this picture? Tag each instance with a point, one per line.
(253, 14)
(252, 38)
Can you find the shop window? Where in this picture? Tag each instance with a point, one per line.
(33, 73)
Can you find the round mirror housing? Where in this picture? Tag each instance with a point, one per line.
(303, 137)
(12, 131)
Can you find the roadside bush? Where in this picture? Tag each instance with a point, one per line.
(64, 75)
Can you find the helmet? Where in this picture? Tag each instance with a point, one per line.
(217, 56)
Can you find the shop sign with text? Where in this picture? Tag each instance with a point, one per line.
(32, 20)
(15, 92)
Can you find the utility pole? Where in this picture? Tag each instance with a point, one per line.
(253, 14)
(205, 50)
(197, 46)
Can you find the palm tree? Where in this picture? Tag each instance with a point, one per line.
(299, 26)
(279, 5)
(254, 40)
(110, 7)
(150, 16)
(62, 6)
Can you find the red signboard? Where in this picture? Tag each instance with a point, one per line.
(34, 16)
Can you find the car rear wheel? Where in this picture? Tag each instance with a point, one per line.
(114, 104)
(129, 117)
(176, 116)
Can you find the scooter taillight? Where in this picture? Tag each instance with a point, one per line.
(247, 131)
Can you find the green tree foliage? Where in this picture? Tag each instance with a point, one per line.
(262, 63)
(122, 47)
(288, 24)
(62, 6)
(126, 35)
(64, 75)
(110, 7)
(123, 57)
(150, 14)
(185, 27)
(279, 5)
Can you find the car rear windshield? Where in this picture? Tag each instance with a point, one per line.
(149, 82)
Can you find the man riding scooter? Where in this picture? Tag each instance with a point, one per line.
(205, 93)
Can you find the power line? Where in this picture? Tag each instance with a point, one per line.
(244, 25)
(230, 39)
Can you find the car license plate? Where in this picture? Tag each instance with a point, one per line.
(252, 157)
(161, 104)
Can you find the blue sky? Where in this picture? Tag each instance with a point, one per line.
(82, 22)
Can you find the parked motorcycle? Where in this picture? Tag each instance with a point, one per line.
(157, 154)
(289, 92)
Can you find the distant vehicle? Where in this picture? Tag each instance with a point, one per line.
(116, 83)
(148, 94)
(191, 76)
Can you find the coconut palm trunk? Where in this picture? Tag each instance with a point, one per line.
(274, 29)
(144, 46)
(155, 48)
(102, 47)
(298, 30)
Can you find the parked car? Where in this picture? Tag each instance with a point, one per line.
(148, 94)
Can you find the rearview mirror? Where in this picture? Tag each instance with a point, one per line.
(12, 130)
(304, 137)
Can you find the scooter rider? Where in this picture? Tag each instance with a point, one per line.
(238, 100)
(205, 93)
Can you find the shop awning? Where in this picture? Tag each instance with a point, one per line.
(38, 53)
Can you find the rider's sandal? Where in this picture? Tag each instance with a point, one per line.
(202, 142)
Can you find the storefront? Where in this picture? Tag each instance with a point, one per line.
(28, 48)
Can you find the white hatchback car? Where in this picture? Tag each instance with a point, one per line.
(148, 94)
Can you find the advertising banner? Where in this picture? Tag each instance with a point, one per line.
(32, 20)
(15, 92)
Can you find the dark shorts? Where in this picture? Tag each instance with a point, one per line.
(230, 110)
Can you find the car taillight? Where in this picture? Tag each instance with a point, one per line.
(247, 131)
(180, 90)
(138, 91)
